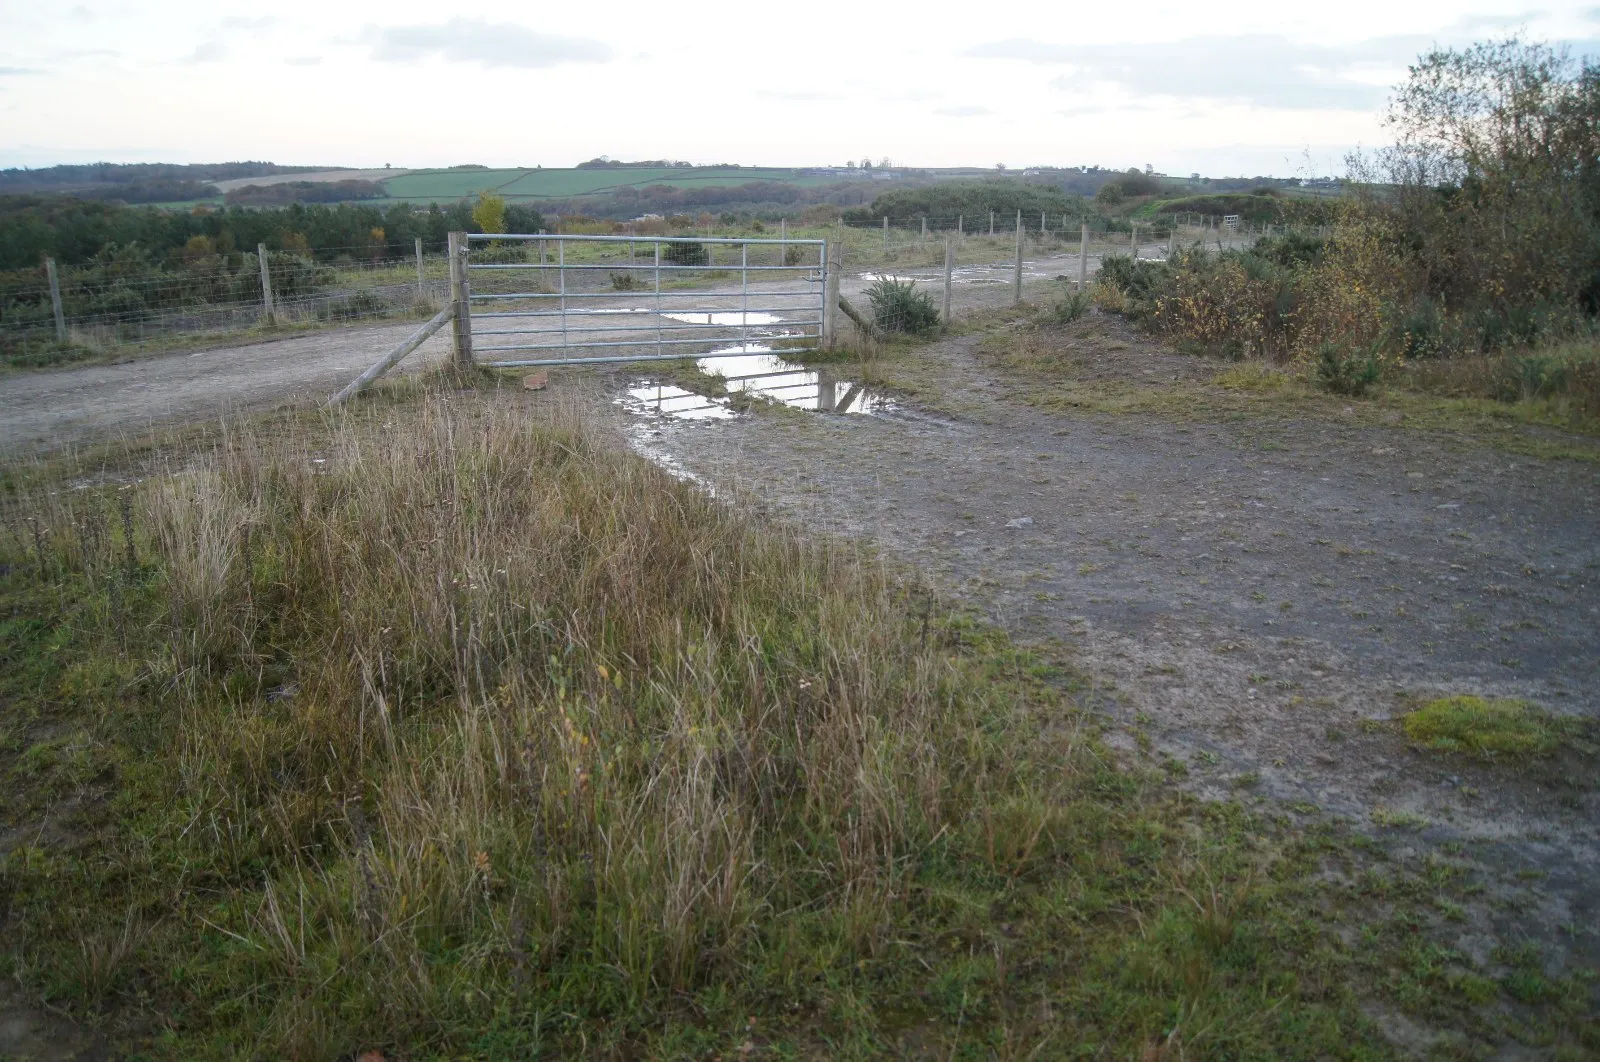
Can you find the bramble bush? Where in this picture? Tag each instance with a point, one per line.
(1477, 235)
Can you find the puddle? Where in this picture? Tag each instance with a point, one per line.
(732, 318)
(754, 370)
(667, 400)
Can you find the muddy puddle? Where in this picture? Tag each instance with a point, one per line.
(753, 370)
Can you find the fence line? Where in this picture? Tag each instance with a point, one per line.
(99, 306)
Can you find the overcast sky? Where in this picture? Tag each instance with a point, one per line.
(1219, 88)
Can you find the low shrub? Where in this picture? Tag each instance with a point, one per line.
(1074, 306)
(686, 254)
(898, 307)
(1346, 374)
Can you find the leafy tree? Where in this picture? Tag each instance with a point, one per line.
(1497, 184)
(489, 213)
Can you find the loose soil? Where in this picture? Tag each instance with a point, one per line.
(1257, 599)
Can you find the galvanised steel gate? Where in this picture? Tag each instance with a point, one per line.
(570, 300)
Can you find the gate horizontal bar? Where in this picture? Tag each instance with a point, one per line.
(623, 314)
(634, 328)
(481, 236)
(722, 267)
(522, 363)
(635, 295)
(637, 343)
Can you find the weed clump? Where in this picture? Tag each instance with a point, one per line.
(686, 254)
(1346, 374)
(898, 307)
(1069, 309)
(1483, 728)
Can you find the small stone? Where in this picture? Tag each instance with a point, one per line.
(1021, 521)
(536, 381)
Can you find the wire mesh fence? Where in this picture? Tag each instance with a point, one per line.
(105, 307)
(113, 305)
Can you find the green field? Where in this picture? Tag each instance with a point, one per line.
(524, 184)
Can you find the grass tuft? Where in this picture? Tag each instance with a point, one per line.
(1483, 727)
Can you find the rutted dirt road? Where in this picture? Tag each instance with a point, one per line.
(1258, 598)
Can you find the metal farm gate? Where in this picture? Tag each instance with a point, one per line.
(539, 299)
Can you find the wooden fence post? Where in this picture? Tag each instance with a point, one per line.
(1041, 224)
(55, 300)
(886, 234)
(949, 263)
(461, 298)
(1083, 258)
(960, 222)
(924, 227)
(268, 310)
(991, 223)
(783, 238)
(1016, 270)
(830, 295)
(422, 278)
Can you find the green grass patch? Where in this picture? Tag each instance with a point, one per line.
(1483, 727)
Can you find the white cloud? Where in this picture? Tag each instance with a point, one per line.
(962, 112)
(1265, 70)
(304, 60)
(489, 44)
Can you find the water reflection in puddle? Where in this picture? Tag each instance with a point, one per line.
(731, 318)
(754, 370)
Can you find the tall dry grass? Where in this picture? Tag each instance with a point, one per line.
(457, 684)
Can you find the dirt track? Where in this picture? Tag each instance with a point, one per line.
(1256, 599)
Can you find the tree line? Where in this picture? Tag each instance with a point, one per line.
(76, 231)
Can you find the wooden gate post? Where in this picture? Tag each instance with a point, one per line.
(461, 299)
(830, 295)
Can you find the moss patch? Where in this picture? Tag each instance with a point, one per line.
(1483, 727)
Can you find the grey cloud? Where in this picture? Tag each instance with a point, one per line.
(81, 14)
(207, 52)
(1267, 70)
(489, 44)
(1263, 69)
(962, 112)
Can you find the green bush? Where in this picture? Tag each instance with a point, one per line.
(1139, 279)
(686, 254)
(1344, 374)
(1074, 306)
(897, 307)
(1418, 331)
